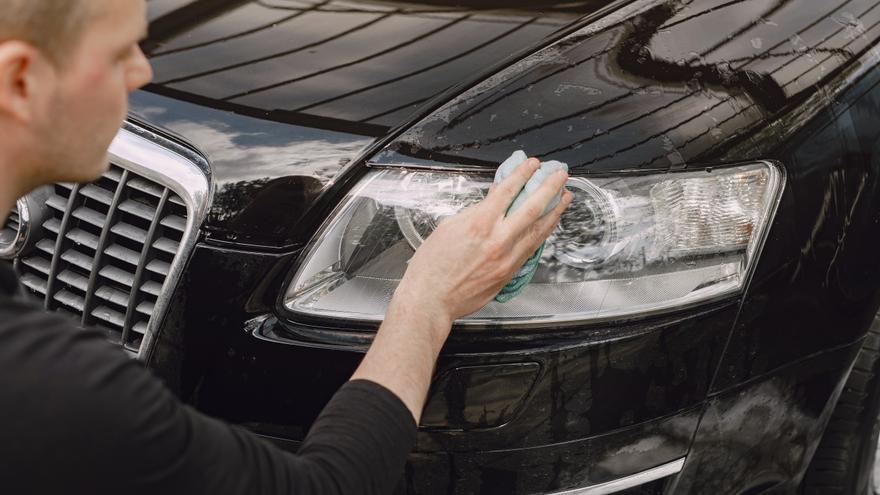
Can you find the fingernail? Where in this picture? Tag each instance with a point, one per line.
(534, 162)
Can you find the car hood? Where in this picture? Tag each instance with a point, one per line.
(356, 66)
(279, 95)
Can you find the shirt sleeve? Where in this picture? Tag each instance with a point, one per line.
(90, 420)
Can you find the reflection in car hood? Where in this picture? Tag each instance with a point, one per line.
(355, 66)
(672, 84)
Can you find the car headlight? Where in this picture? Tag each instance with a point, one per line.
(628, 244)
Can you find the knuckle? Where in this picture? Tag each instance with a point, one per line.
(533, 210)
(477, 228)
(495, 251)
(536, 233)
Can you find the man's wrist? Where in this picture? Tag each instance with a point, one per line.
(413, 312)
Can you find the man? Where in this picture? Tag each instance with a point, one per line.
(76, 416)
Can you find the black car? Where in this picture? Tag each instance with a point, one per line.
(703, 320)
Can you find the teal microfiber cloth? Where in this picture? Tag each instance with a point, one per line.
(524, 275)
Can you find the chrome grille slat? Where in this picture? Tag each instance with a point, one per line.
(74, 279)
(175, 222)
(47, 246)
(130, 232)
(69, 299)
(39, 264)
(52, 225)
(77, 259)
(159, 267)
(114, 173)
(122, 253)
(138, 209)
(140, 327)
(83, 238)
(166, 245)
(98, 194)
(34, 283)
(112, 295)
(57, 202)
(152, 288)
(109, 251)
(116, 275)
(89, 216)
(109, 315)
(146, 187)
(146, 308)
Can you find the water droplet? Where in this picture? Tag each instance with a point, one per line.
(568, 87)
(757, 43)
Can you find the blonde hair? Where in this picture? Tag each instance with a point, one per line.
(53, 26)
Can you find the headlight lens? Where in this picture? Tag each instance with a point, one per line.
(627, 245)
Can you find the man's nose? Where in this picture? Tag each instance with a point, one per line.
(141, 73)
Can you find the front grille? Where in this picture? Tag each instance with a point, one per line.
(105, 250)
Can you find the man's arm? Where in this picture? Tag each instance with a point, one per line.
(77, 416)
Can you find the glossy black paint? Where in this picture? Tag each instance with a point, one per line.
(364, 66)
(670, 85)
(674, 85)
(266, 175)
(816, 285)
(474, 397)
(585, 386)
(761, 435)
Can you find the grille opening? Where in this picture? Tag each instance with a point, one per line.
(9, 231)
(115, 253)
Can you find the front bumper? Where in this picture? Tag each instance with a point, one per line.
(571, 410)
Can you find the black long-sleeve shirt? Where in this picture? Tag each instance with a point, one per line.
(77, 416)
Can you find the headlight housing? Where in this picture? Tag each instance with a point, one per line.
(628, 245)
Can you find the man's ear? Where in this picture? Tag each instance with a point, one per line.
(21, 80)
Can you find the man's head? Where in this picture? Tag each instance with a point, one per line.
(66, 68)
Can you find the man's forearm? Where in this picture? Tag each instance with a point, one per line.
(404, 351)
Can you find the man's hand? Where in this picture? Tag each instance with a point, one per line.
(456, 271)
(472, 255)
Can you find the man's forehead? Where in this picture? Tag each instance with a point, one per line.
(126, 17)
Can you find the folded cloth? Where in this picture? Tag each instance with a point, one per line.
(524, 275)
